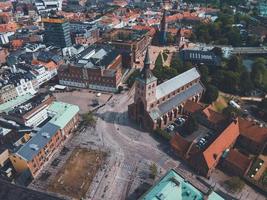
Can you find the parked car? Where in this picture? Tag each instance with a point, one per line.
(170, 128)
(180, 121)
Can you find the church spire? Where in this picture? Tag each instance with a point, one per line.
(146, 73)
(163, 28)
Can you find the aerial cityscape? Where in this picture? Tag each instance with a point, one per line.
(133, 99)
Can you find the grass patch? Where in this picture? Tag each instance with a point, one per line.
(220, 104)
(165, 56)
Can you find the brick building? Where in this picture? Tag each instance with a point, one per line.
(37, 150)
(204, 159)
(155, 106)
(97, 67)
(252, 137)
(131, 43)
(40, 147)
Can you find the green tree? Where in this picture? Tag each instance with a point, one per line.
(234, 184)
(170, 38)
(211, 94)
(176, 63)
(191, 124)
(159, 61)
(153, 170)
(89, 119)
(230, 82)
(235, 64)
(204, 71)
(263, 105)
(231, 112)
(163, 134)
(246, 84)
(258, 71)
(217, 51)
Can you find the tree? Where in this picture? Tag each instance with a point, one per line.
(163, 133)
(235, 64)
(204, 71)
(191, 124)
(217, 51)
(163, 72)
(231, 112)
(258, 71)
(153, 170)
(263, 105)
(159, 61)
(246, 83)
(211, 94)
(170, 38)
(89, 119)
(230, 82)
(176, 63)
(234, 184)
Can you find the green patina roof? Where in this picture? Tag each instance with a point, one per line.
(174, 187)
(64, 112)
(6, 107)
(215, 196)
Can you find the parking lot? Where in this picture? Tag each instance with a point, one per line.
(87, 100)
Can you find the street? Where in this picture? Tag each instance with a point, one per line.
(130, 152)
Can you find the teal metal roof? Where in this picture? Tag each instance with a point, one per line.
(215, 196)
(6, 107)
(63, 113)
(173, 187)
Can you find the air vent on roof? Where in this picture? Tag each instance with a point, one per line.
(160, 196)
(34, 147)
(46, 135)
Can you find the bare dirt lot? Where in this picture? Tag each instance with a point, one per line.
(86, 100)
(76, 176)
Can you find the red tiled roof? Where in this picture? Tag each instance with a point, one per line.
(238, 159)
(221, 143)
(252, 131)
(151, 30)
(213, 116)
(192, 107)
(10, 27)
